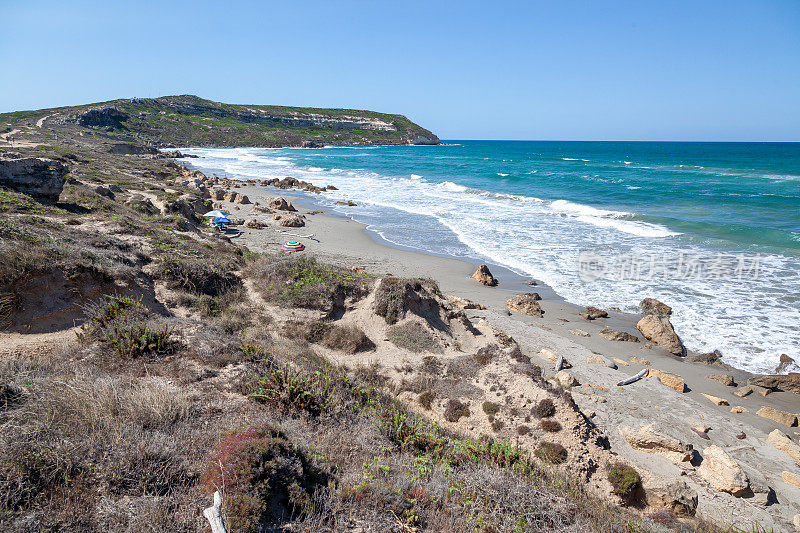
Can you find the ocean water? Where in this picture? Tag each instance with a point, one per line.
(713, 229)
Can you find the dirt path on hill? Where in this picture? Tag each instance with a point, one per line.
(36, 344)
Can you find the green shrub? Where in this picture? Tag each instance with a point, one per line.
(210, 275)
(414, 337)
(310, 391)
(551, 452)
(624, 480)
(455, 410)
(491, 408)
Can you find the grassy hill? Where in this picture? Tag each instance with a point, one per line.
(192, 121)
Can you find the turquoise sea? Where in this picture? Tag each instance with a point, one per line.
(713, 229)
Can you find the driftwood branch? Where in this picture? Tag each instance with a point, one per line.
(632, 379)
(561, 363)
(214, 515)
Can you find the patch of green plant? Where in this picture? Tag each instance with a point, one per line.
(624, 479)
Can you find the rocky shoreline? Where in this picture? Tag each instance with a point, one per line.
(707, 439)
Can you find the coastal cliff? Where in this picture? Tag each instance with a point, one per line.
(192, 121)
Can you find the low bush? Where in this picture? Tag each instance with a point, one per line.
(486, 354)
(210, 274)
(414, 337)
(625, 480)
(347, 339)
(545, 408)
(426, 398)
(455, 410)
(550, 426)
(551, 452)
(523, 430)
(490, 408)
(265, 479)
(301, 281)
(395, 296)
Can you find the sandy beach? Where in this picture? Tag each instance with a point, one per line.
(335, 239)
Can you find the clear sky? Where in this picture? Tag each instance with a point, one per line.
(606, 70)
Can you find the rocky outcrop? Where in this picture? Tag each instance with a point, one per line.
(725, 379)
(784, 443)
(527, 304)
(133, 149)
(103, 118)
(37, 176)
(616, 335)
(651, 306)
(482, 275)
(716, 400)
(675, 496)
(254, 224)
(709, 358)
(658, 329)
(788, 383)
(722, 472)
(463, 303)
(313, 144)
(647, 439)
(565, 379)
(280, 203)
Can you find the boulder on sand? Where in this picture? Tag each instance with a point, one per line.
(647, 439)
(673, 381)
(482, 275)
(289, 220)
(254, 224)
(782, 442)
(593, 313)
(722, 472)
(279, 203)
(616, 335)
(675, 496)
(527, 304)
(725, 379)
(651, 306)
(658, 330)
(781, 417)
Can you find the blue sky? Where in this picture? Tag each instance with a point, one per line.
(606, 70)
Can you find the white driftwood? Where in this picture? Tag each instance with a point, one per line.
(632, 379)
(560, 363)
(214, 515)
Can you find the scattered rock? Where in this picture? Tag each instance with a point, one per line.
(781, 417)
(677, 497)
(725, 379)
(37, 176)
(348, 203)
(593, 313)
(646, 439)
(616, 335)
(310, 143)
(254, 224)
(463, 303)
(621, 362)
(527, 304)
(565, 379)
(738, 409)
(242, 199)
(673, 381)
(288, 220)
(482, 275)
(579, 332)
(715, 400)
(651, 306)
(790, 479)
(709, 358)
(104, 191)
(658, 329)
(741, 392)
(600, 360)
(763, 391)
(722, 472)
(782, 442)
(780, 382)
(741, 436)
(640, 361)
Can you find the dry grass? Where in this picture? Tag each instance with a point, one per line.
(414, 337)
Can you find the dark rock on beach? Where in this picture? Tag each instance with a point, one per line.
(482, 275)
(651, 306)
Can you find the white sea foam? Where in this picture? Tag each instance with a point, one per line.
(573, 159)
(543, 239)
(502, 175)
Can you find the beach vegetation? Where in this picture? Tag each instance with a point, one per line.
(414, 337)
(625, 480)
